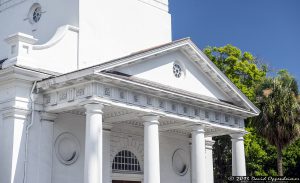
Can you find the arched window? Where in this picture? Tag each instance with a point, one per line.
(126, 162)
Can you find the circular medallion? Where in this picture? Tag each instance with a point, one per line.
(35, 13)
(177, 71)
(180, 162)
(67, 148)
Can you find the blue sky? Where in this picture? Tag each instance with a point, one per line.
(269, 29)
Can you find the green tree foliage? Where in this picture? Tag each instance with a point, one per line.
(260, 156)
(247, 73)
(279, 121)
(243, 69)
(222, 158)
(291, 159)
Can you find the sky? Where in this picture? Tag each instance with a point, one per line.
(269, 29)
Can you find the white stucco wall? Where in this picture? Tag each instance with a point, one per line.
(74, 124)
(168, 145)
(113, 28)
(55, 14)
(108, 28)
(160, 70)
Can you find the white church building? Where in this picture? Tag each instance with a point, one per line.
(96, 91)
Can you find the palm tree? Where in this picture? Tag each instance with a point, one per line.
(278, 122)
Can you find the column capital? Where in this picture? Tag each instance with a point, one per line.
(45, 116)
(198, 129)
(209, 142)
(237, 136)
(94, 108)
(151, 118)
(107, 127)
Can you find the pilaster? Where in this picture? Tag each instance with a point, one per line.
(107, 170)
(46, 147)
(12, 143)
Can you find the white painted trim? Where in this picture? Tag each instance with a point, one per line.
(58, 36)
(128, 177)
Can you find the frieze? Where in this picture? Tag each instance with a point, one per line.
(63, 96)
(79, 92)
(71, 94)
(140, 99)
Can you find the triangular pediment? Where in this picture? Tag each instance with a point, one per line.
(175, 70)
(200, 76)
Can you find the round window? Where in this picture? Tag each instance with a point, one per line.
(177, 70)
(35, 13)
(67, 148)
(180, 162)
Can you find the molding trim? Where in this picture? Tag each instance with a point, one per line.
(15, 113)
(45, 116)
(58, 36)
(209, 143)
(237, 136)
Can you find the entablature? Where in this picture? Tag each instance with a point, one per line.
(128, 96)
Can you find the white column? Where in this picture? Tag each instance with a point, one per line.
(93, 144)
(198, 155)
(46, 147)
(151, 149)
(238, 155)
(209, 159)
(107, 167)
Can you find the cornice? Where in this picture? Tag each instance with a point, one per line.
(19, 73)
(142, 103)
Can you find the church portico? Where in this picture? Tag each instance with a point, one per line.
(150, 127)
(128, 134)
